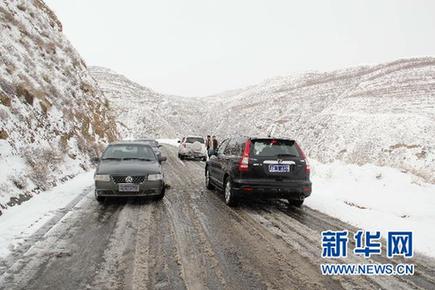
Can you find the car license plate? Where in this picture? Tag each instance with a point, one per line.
(279, 168)
(128, 187)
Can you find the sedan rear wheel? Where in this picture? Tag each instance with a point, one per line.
(99, 198)
(230, 198)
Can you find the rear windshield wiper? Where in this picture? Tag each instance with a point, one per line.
(111, 158)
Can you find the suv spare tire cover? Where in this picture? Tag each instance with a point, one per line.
(197, 147)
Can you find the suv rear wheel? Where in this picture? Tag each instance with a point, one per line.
(230, 196)
(208, 183)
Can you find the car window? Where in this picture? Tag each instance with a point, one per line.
(123, 151)
(222, 146)
(273, 148)
(234, 147)
(194, 139)
(227, 150)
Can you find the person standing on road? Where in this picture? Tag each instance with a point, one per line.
(208, 144)
(214, 144)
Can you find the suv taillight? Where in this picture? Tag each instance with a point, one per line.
(244, 161)
(302, 154)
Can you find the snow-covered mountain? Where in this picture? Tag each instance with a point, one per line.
(53, 116)
(382, 114)
(142, 112)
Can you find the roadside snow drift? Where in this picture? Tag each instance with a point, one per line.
(376, 198)
(20, 222)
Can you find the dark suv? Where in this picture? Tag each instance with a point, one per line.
(259, 167)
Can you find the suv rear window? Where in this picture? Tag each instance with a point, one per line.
(194, 139)
(274, 148)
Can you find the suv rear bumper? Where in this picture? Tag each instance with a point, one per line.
(296, 190)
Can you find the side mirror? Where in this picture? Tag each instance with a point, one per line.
(95, 160)
(178, 141)
(162, 158)
(160, 145)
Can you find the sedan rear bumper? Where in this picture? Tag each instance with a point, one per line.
(147, 188)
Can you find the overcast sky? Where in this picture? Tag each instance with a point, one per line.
(203, 47)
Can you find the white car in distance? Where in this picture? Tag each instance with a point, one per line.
(192, 147)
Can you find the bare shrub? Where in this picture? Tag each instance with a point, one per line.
(9, 65)
(5, 100)
(4, 115)
(3, 134)
(29, 93)
(51, 156)
(107, 104)
(21, 7)
(63, 142)
(50, 48)
(7, 88)
(87, 88)
(25, 91)
(45, 105)
(39, 175)
(40, 161)
(82, 144)
(19, 181)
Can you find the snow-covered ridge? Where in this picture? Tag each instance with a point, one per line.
(52, 113)
(381, 114)
(143, 112)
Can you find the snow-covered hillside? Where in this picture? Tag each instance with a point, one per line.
(383, 114)
(53, 116)
(142, 112)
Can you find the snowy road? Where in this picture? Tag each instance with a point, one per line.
(190, 239)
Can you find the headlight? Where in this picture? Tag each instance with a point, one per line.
(155, 176)
(102, 177)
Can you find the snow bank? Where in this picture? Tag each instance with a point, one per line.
(376, 198)
(20, 222)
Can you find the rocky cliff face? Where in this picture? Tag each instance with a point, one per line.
(53, 115)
